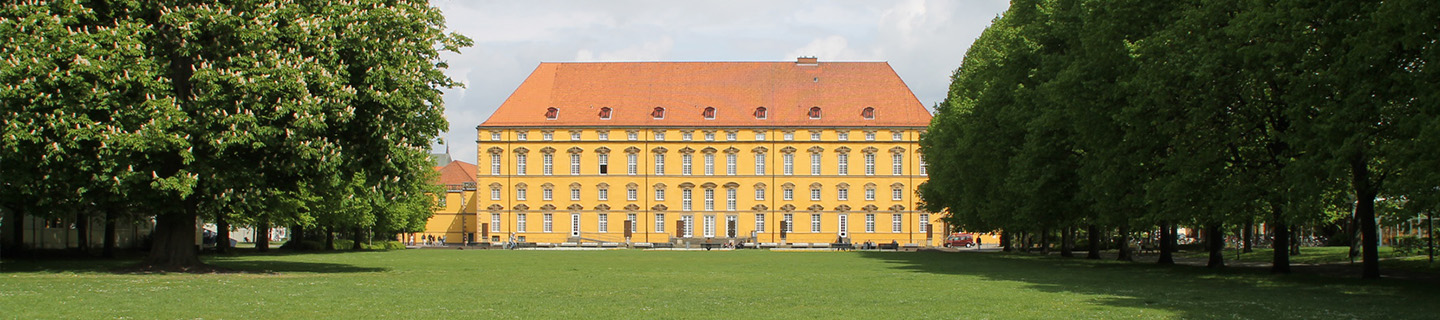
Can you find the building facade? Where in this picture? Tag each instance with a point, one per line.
(763, 152)
(454, 219)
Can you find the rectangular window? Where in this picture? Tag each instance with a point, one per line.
(843, 194)
(869, 194)
(494, 222)
(730, 199)
(896, 221)
(521, 136)
(634, 225)
(603, 135)
(574, 194)
(520, 164)
(814, 135)
(709, 136)
(760, 222)
(869, 164)
(547, 194)
(760, 164)
(842, 135)
(494, 193)
(789, 136)
(815, 164)
(815, 194)
(843, 160)
(790, 223)
(659, 135)
(759, 194)
(604, 160)
(685, 199)
(923, 166)
(659, 164)
(520, 222)
(631, 194)
(689, 222)
(896, 194)
(547, 164)
(494, 164)
(574, 224)
(632, 136)
(660, 223)
(659, 194)
(924, 222)
(686, 135)
(547, 136)
(788, 161)
(730, 164)
(574, 135)
(709, 164)
(495, 136)
(869, 222)
(788, 194)
(685, 164)
(732, 224)
(574, 164)
(709, 226)
(440, 201)
(760, 136)
(815, 223)
(709, 199)
(897, 164)
(630, 163)
(897, 136)
(520, 193)
(869, 136)
(604, 194)
(603, 220)
(730, 136)
(548, 223)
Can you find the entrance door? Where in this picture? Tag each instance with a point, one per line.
(844, 225)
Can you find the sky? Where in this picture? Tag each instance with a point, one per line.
(924, 41)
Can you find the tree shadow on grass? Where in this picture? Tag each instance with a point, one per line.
(217, 264)
(1187, 291)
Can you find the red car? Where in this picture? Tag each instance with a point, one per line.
(960, 240)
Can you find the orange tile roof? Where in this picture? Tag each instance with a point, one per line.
(456, 172)
(786, 89)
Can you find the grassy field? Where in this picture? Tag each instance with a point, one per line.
(479, 284)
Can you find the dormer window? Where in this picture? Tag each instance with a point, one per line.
(709, 113)
(552, 113)
(868, 113)
(760, 113)
(814, 113)
(605, 113)
(659, 113)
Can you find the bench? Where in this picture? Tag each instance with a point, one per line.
(643, 245)
(843, 246)
(708, 246)
(569, 244)
(609, 244)
(769, 245)
(800, 245)
(888, 246)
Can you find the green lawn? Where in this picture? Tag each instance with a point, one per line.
(631, 284)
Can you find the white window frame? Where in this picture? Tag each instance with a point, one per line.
(709, 226)
(815, 223)
(494, 222)
(659, 194)
(659, 164)
(547, 136)
(520, 222)
(924, 222)
(869, 194)
(843, 164)
(520, 193)
(815, 159)
(603, 194)
(760, 136)
(547, 164)
(631, 163)
(897, 136)
(759, 194)
(897, 223)
(574, 194)
(660, 223)
(520, 164)
(602, 223)
(709, 136)
(760, 164)
(789, 223)
(814, 194)
(897, 164)
(632, 136)
(494, 164)
(603, 135)
(574, 224)
(687, 199)
(709, 197)
(788, 194)
(789, 136)
(760, 222)
(869, 223)
(659, 135)
(730, 159)
(709, 164)
(686, 136)
(843, 135)
(603, 164)
(689, 222)
(547, 194)
(685, 164)
(869, 164)
(548, 223)
(814, 135)
(574, 135)
(495, 193)
(730, 199)
(631, 194)
(731, 136)
(869, 136)
(574, 164)
(897, 193)
(522, 136)
(494, 136)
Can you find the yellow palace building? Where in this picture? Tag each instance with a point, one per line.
(778, 153)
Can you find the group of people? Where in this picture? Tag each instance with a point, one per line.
(426, 240)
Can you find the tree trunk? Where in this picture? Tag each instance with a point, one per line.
(1045, 241)
(1067, 242)
(17, 232)
(1167, 243)
(1025, 242)
(1124, 244)
(222, 233)
(108, 249)
(1249, 235)
(1215, 241)
(1005, 241)
(262, 236)
(1094, 240)
(1365, 212)
(329, 239)
(297, 234)
(1281, 234)
(173, 247)
(82, 229)
(355, 236)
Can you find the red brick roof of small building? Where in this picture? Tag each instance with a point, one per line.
(787, 90)
(456, 172)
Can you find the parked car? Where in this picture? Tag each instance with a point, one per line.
(960, 240)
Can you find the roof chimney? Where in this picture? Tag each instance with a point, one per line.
(807, 61)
